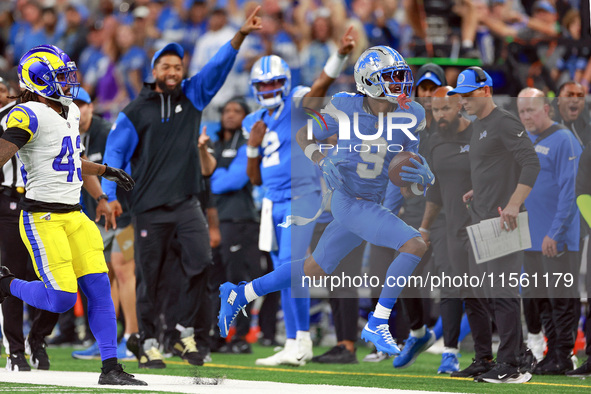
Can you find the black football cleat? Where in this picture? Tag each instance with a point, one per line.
(5, 278)
(118, 377)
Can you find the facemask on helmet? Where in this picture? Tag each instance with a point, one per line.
(382, 72)
(49, 72)
(270, 80)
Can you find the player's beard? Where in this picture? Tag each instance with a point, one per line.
(447, 129)
(166, 89)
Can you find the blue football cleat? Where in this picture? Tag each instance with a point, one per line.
(88, 354)
(412, 348)
(232, 302)
(122, 352)
(377, 331)
(449, 363)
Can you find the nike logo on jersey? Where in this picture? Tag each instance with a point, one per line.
(18, 120)
(178, 109)
(47, 216)
(482, 135)
(465, 148)
(520, 134)
(235, 248)
(572, 157)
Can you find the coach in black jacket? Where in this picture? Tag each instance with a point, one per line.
(157, 133)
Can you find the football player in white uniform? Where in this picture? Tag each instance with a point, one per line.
(65, 246)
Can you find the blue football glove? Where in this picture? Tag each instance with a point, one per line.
(421, 175)
(331, 174)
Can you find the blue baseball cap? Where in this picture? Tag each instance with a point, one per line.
(468, 82)
(172, 47)
(83, 96)
(544, 6)
(429, 76)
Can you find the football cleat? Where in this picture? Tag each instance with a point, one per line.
(117, 376)
(504, 373)
(449, 363)
(88, 354)
(232, 302)
(123, 353)
(17, 362)
(477, 368)
(186, 348)
(377, 331)
(39, 357)
(149, 355)
(412, 348)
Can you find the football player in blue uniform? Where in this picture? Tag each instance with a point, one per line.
(270, 162)
(357, 177)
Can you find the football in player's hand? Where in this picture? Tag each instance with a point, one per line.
(401, 159)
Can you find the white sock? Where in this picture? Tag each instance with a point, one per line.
(419, 333)
(467, 44)
(126, 336)
(539, 335)
(453, 350)
(382, 312)
(249, 292)
(303, 335)
(289, 343)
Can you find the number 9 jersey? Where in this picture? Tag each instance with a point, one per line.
(51, 162)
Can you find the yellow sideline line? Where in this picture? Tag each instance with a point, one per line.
(391, 375)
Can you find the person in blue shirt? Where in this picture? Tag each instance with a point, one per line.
(157, 134)
(357, 177)
(554, 227)
(271, 159)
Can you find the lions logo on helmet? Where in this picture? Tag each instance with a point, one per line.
(49, 72)
(381, 71)
(266, 70)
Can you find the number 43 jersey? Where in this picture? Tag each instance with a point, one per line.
(51, 157)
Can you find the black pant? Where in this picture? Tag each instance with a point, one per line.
(503, 305)
(155, 230)
(241, 260)
(553, 307)
(16, 257)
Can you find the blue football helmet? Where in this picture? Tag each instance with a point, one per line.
(381, 71)
(49, 72)
(265, 70)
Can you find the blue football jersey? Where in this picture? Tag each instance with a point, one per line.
(364, 156)
(285, 170)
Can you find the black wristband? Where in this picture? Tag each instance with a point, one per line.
(102, 197)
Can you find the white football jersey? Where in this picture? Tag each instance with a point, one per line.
(51, 158)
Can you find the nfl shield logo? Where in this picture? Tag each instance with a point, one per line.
(68, 123)
(144, 233)
(13, 206)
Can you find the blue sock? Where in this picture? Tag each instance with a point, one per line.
(289, 316)
(464, 328)
(301, 309)
(101, 312)
(438, 328)
(403, 265)
(36, 294)
(278, 279)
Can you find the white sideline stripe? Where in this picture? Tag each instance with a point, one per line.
(181, 384)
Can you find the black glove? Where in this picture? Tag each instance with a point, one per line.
(118, 176)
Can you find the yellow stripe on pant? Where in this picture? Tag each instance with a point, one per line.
(63, 247)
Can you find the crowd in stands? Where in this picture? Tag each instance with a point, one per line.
(525, 43)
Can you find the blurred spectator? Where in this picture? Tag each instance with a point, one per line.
(144, 27)
(571, 105)
(170, 22)
(31, 32)
(50, 25)
(571, 57)
(434, 21)
(131, 63)
(195, 25)
(318, 47)
(74, 41)
(378, 22)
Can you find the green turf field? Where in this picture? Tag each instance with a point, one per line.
(421, 376)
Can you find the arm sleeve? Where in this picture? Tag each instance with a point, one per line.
(434, 192)
(516, 140)
(17, 136)
(225, 180)
(201, 87)
(565, 173)
(121, 144)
